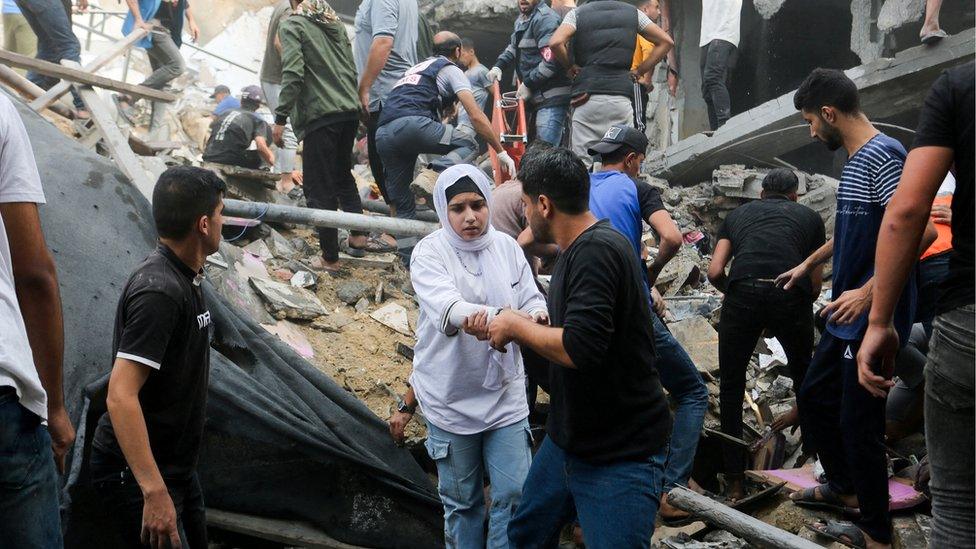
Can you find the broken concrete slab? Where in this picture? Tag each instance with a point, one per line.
(700, 340)
(888, 87)
(286, 301)
(304, 279)
(393, 316)
(292, 336)
(332, 323)
(350, 291)
(369, 261)
(259, 249)
(362, 305)
(230, 269)
(279, 246)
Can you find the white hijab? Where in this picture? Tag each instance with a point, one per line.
(494, 276)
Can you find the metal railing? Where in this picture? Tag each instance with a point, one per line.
(98, 18)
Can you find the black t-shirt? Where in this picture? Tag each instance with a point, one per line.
(611, 407)
(946, 120)
(232, 134)
(162, 321)
(649, 199)
(771, 236)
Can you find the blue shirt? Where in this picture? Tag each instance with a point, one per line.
(10, 7)
(226, 104)
(613, 196)
(148, 9)
(867, 183)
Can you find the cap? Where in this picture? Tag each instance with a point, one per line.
(220, 89)
(253, 93)
(617, 136)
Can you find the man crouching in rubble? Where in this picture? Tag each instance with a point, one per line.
(608, 425)
(145, 448)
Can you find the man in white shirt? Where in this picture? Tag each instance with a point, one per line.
(719, 40)
(31, 352)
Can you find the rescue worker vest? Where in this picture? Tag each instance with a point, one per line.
(603, 46)
(416, 94)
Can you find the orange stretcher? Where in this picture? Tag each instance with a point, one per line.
(508, 116)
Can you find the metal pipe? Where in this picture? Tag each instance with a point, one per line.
(327, 218)
(380, 207)
(751, 529)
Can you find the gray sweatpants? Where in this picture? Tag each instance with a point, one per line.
(592, 119)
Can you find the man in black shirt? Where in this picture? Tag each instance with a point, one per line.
(943, 140)
(145, 448)
(765, 237)
(231, 135)
(609, 421)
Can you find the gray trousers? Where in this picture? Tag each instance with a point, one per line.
(592, 119)
(401, 141)
(285, 158)
(165, 58)
(949, 431)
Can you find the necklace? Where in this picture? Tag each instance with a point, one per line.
(458, 254)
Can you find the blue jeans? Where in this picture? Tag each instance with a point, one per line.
(615, 503)
(461, 461)
(549, 123)
(29, 515)
(55, 39)
(399, 143)
(684, 383)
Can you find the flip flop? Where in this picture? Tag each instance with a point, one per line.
(124, 112)
(930, 38)
(829, 501)
(844, 533)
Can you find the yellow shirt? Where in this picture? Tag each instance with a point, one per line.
(642, 51)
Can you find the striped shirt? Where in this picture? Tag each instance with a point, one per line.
(867, 184)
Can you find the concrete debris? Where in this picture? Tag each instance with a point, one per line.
(895, 13)
(334, 323)
(259, 249)
(232, 280)
(717, 539)
(303, 279)
(683, 307)
(700, 341)
(279, 246)
(362, 305)
(350, 291)
(393, 316)
(286, 301)
(683, 270)
(768, 8)
(292, 336)
(775, 357)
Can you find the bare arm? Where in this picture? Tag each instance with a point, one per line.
(670, 243)
(478, 119)
(264, 150)
(905, 220)
(194, 30)
(720, 260)
(36, 285)
(559, 43)
(547, 341)
(662, 45)
(379, 52)
(789, 279)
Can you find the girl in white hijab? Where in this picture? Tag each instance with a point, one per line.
(473, 397)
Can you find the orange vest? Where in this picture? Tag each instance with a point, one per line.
(943, 243)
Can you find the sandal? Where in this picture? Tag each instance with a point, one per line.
(376, 245)
(844, 533)
(932, 37)
(829, 500)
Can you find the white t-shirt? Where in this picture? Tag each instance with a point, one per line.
(19, 182)
(720, 21)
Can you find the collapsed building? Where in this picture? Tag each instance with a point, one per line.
(306, 365)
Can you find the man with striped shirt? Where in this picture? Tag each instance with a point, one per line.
(843, 422)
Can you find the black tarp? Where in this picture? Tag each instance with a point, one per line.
(282, 439)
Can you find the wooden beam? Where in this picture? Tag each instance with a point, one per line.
(291, 533)
(61, 88)
(742, 525)
(77, 75)
(117, 143)
(30, 90)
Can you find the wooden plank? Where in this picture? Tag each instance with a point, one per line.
(742, 525)
(288, 532)
(30, 90)
(117, 143)
(61, 88)
(80, 76)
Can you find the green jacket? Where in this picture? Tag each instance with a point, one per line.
(318, 77)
